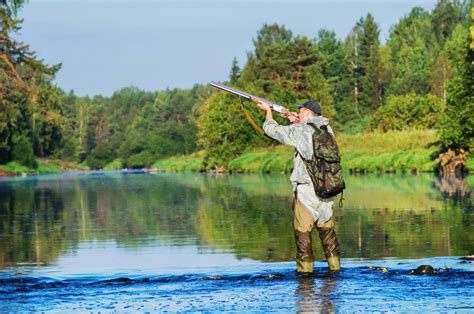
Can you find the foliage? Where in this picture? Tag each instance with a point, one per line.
(408, 111)
(192, 162)
(114, 165)
(224, 132)
(23, 152)
(28, 100)
(457, 126)
(392, 151)
(422, 76)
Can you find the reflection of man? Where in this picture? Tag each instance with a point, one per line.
(309, 209)
(314, 295)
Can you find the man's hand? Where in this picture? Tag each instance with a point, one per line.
(261, 104)
(293, 117)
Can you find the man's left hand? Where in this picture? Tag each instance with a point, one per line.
(261, 104)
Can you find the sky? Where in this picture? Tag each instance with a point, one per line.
(105, 45)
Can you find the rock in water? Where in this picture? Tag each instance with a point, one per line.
(423, 270)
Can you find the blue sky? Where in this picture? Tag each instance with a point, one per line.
(105, 45)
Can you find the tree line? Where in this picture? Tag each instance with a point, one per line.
(421, 77)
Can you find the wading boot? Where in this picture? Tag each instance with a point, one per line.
(304, 252)
(327, 234)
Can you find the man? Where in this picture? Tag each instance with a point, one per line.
(308, 208)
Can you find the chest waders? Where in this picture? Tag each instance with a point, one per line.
(304, 224)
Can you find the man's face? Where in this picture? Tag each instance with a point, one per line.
(305, 114)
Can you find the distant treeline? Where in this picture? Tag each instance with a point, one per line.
(421, 78)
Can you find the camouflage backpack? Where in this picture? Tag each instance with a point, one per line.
(324, 167)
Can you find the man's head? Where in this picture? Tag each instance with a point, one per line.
(308, 110)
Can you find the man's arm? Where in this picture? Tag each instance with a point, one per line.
(283, 134)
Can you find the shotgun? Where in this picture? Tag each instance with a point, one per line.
(285, 112)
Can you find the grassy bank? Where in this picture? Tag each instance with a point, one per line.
(193, 162)
(405, 151)
(44, 166)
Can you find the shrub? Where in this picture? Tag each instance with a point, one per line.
(23, 152)
(407, 111)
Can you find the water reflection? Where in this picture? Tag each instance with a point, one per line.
(453, 186)
(44, 218)
(314, 294)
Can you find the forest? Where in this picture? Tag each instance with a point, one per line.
(421, 78)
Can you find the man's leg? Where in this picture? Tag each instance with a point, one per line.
(303, 223)
(327, 234)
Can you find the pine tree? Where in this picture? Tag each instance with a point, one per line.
(457, 126)
(28, 102)
(371, 89)
(234, 71)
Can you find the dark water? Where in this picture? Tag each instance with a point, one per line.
(119, 241)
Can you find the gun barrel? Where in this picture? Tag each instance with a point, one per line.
(277, 107)
(231, 90)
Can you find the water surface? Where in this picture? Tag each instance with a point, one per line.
(106, 241)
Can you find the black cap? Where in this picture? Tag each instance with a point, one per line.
(311, 105)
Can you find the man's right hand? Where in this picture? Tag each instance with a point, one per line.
(293, 117)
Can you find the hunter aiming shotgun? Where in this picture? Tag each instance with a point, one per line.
(284, 112)
(316, 177)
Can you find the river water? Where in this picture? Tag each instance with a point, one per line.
(127, 241)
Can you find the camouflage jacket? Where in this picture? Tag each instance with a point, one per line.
(300, 136)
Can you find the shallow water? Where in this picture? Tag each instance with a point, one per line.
(109, 241)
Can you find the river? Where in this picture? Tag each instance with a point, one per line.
(127, 241)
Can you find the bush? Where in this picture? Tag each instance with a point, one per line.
(407, 111)
(140, 160)
(23, 152)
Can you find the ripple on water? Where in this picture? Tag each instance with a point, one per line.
(356, 287)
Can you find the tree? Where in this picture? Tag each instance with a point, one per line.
(234, 71)
(450, 62)
(223, 131)
(457, 126)
(412, 44)
(371, 87)
(28, 100)
(408, 112)
(445, 16)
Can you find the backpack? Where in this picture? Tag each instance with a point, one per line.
(324, 167)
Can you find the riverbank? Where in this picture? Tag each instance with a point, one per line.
(44, 166)
(392, 152)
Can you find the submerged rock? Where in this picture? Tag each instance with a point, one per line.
(423, 270)
(382, 269)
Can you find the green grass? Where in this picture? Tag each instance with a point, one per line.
(44, 166)
(114, 165)
(274, 159)
(193, 162)
(394, 151)
(16, 168)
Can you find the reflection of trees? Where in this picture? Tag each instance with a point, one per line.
(248, 215)
(414, 222)
(41, 218)
(29, 227)
(252, 227)
(453, 186)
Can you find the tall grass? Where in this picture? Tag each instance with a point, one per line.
(193, 162)
(44, 166)
(394, 151)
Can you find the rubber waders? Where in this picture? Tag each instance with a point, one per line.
(304, 252)
(327, 234)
